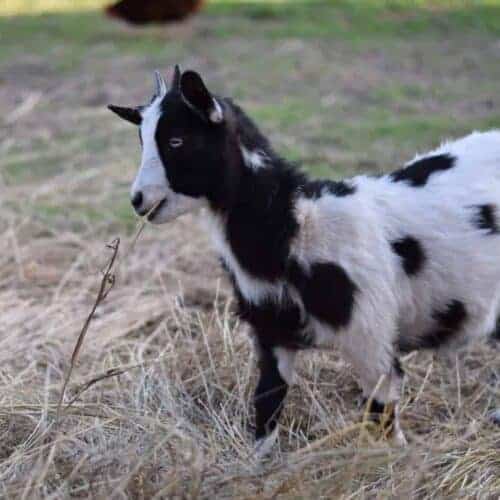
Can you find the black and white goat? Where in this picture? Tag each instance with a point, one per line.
(376, 266)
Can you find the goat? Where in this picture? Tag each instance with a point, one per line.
(375, 266)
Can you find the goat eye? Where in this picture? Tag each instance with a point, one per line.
(176, 142)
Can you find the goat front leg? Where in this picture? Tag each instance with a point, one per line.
(276, 366)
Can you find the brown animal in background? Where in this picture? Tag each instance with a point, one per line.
(153, 11)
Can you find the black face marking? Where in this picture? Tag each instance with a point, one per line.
(197, 168)
(417, 173)
(485, 217)
(326, 290)
(257, 204)
(411, 253)
(269, 394)
(318, 188)
(448, 322)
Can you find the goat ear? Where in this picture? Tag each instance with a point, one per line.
(197, 97)
(176, 79)
(132, 115)
(160, 85)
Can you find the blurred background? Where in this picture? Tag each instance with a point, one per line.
(340, 86)
(343, 86)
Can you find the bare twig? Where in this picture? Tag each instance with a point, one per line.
(107, 283)
(112, 372)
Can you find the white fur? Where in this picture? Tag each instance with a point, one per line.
(495, 416)
(264, 445)
(286, 361)
(253, 289)
(463, 262)
(216, 115)
(253, 159)
(397, 437)
(355, 231)
(161, 84)
(151, 179)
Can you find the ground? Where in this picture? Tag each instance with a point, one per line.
(341, 87)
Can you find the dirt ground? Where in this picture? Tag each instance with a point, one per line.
(341, 88)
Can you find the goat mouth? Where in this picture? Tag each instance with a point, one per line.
(154, 212)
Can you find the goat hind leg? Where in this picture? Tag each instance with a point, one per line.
(383, 403)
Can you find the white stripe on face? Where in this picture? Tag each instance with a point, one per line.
(151, 179)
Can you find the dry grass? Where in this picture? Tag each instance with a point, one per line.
(175, 422)
(164, 380)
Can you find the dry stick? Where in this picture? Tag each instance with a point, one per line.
(107, 282)
(112, 372)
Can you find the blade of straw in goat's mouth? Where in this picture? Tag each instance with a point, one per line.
(157, 207)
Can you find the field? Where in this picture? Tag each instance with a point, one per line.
(342, 87)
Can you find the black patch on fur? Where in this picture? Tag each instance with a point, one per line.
(274, 324)
(378, 413)
(411, 252)
(417, 173)
(257, 205)
(248, 133)
(260, 226)
(318, 188)
(485, 217)
(398, 369)
(448, 322)
(495, 335)
(256, 208)
(375, 406)
(326, 290)
(269, 394)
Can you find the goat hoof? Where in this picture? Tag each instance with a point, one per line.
(495, 416)
(398, 439)
(264, 445)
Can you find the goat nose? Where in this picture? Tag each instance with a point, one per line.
(137, 200)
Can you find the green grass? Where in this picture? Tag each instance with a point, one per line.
(63, 40)
(359, 21)
(65, 37)
(345, 20)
